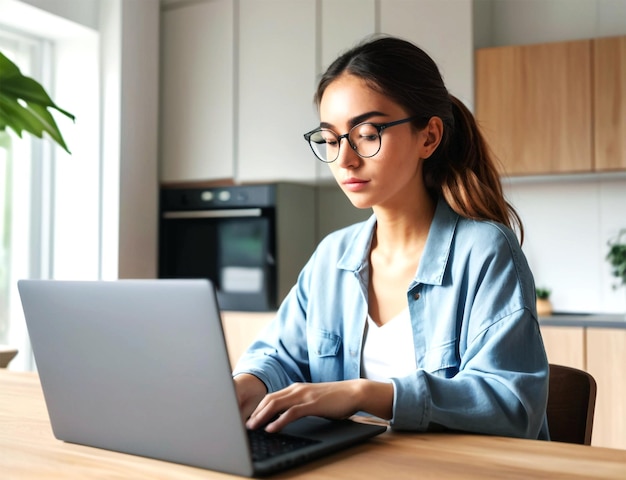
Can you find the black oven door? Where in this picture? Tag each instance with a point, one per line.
(232, 247)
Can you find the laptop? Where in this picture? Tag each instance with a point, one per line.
(141, 367)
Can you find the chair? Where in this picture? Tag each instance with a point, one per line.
(6, 355)
(571, 405)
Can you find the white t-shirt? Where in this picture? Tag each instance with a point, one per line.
(388, 350)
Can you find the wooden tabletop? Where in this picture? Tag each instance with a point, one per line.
(28, 450)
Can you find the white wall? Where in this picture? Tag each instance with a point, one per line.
(567, 225)
(138, 131)
(130, 84)
(568, 219)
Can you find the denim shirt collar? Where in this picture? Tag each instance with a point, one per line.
(436, 252)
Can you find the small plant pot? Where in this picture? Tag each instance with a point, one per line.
(544, 307)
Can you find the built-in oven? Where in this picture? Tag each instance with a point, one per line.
(250, 240)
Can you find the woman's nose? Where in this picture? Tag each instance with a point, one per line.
(348, 158)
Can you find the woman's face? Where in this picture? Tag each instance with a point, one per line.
(391, 178)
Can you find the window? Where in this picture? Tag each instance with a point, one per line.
(20, 219)
(50, 200)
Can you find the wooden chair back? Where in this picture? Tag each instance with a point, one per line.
(571, 405)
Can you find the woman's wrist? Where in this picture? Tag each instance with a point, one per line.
(250, 391)
(375, 398)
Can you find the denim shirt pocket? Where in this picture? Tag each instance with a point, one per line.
(443, 360)
(326, 344)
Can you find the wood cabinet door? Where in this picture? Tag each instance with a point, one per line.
(565, 345)
(241, 330)
(609, 96)
(533, 104)
(606, 357)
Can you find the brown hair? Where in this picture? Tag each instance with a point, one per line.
(462, 169)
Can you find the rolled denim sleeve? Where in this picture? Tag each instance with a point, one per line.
(500, 389)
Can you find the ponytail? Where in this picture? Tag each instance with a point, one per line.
(463, 171)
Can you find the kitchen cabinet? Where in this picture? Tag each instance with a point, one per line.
(276, 82)
(555, 107)
(587, 344)
(241, 329)
(238, 75)
(444, 30)
(565, 345)
(337, 36)
(197, 92)
(609, 60)
(606, 357)
(533, 104)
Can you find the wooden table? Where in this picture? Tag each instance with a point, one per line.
(28, 450)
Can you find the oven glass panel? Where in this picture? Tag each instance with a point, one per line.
(235, 253)
(243, 246)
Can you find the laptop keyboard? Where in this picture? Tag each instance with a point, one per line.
(265, 445)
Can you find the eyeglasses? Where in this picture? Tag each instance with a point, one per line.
(364, 138)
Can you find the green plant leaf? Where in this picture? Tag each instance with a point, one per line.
(617, 256)
(543, 293)
(24, 105)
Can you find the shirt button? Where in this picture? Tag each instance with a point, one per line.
(416, 296)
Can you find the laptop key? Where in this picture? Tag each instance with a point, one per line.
(265, 445)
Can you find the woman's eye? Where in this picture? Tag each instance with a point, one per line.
(329, 139)
(366, 133)
(369, 138)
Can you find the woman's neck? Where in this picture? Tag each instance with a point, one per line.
(403, 231)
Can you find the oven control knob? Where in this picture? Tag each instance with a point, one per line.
(224, 196)
(207, 196)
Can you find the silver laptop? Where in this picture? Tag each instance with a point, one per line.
(141, 367)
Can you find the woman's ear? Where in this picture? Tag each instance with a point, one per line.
(433, 133)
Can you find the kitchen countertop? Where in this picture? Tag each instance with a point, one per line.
(589, 320)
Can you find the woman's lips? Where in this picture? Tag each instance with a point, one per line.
(354, 184)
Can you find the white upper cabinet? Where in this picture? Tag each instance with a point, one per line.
(276, 80)
(444, 30)
(344, 23)
(197, 92)
(238, 78)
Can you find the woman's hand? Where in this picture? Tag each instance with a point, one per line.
(250, 391)
(331, 400)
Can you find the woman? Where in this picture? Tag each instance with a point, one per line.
(423, 315)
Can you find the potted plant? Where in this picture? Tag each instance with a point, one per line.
(544, 306)
(24, 105)
(617, 257)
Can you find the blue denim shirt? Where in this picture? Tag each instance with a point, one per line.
(481, 362)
